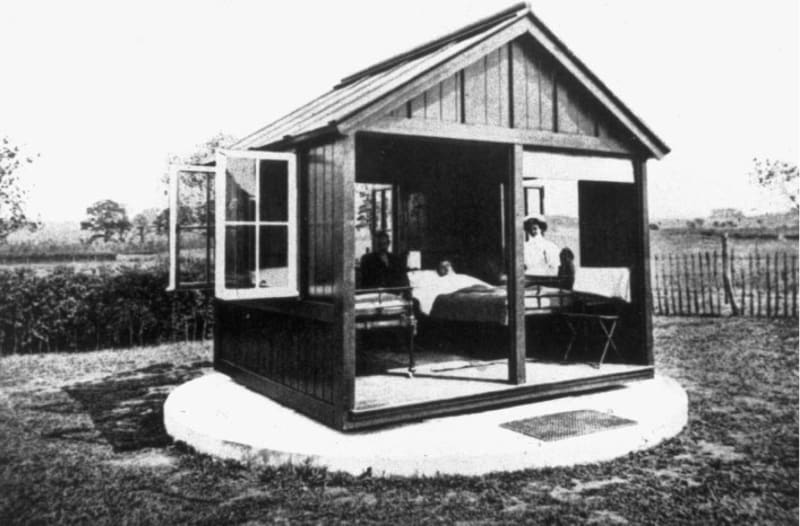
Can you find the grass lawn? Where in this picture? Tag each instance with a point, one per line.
(81, 441)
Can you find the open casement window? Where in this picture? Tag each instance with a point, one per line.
(256, 225)
(191, 227)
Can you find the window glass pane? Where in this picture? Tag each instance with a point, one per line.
(274, 190)
(273, 256)
(240, 190)
(192, 197)
(240, 248)
(193, 256)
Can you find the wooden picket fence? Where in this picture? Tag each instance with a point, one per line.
(721, 283)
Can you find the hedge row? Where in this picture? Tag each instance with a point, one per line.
(66, 310)
(56, 257)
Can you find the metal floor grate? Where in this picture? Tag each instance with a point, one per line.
(558, 426)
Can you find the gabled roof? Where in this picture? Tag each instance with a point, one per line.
(359, 95)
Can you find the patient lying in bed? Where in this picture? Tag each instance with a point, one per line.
(427, 285)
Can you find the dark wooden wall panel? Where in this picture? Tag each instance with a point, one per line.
(319, 207)
(289, 350)
(607, 215)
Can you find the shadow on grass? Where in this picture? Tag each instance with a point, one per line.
(127, 408)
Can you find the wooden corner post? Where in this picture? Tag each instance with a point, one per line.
(515, 270)
(344, 278)
(642, 292)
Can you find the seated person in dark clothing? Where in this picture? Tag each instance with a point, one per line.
(380, 268)
(566, 270)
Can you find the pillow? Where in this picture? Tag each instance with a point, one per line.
(421, 278)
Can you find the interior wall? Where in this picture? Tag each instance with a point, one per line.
(450, 191)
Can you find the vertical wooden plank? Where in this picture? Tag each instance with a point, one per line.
(663, 299)
(777, 286)
(505, 99)
(519, 87)
(701, 274)
(719, 297)
(657, 306)
(417, 105)
(677, 273)
(516, 267)
(462, 118)
(670, 284)
(758, 285)
(475, 93)
(695, 295)
(343, 345)
(750, 282)
(688, 286)
(567, 108)
(785, 276)
(449, 99)
(665, 285)
(586, 119)
(640, 285)
(546, 91)
(433, 103)
(493, 88)
(326, 190)
(740, 273)
(710, 283)
(769, 286)
(794, 286)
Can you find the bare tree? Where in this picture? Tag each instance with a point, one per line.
(778, 176)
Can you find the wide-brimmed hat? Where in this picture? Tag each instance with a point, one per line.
(537, 219)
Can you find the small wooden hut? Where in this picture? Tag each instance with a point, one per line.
(447, 147)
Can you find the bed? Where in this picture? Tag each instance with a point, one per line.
(387, 308)
(460, 297)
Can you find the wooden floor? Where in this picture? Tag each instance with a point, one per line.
(451, 376)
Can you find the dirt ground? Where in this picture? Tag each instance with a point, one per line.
(81, 441)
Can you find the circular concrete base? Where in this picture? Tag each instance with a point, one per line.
(219, 417)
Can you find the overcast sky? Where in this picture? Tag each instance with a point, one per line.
(105, 90)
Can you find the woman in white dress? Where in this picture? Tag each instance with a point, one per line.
(541, 254)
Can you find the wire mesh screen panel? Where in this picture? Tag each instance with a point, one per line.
(558, 426)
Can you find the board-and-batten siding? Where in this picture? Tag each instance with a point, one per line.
(288, 350)
(317, 183)
(515, 86)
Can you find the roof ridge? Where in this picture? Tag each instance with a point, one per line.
(515, 10)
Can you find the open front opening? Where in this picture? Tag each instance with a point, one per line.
(433, 248)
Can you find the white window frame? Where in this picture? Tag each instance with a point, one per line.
(174, 183)
(289, 291)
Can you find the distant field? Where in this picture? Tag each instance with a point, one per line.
(668, 241)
